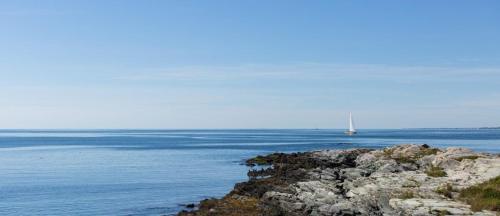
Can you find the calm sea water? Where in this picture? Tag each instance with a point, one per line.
(153, 172)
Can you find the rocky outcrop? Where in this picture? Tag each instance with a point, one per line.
(399, 180)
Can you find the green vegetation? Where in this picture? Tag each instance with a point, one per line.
(427, 151)
(408, 194)
(388, 152)
(446, 191)
(435, 171)
(411, 183)
(424, 151)
(471, 157)
(260, 160)
(484, 196)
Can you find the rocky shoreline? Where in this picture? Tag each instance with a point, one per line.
(400, 180)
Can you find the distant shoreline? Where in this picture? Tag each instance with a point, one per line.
(235, 129)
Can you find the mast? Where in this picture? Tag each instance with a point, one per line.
(351, 123)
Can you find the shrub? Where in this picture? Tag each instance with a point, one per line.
(435, 171)
(446, 190)
(427, 151)
(484, 196)
(423, 151)
(388, 152)
(471, 157)
(407, 195)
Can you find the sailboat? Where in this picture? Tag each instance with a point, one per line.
(351, 130)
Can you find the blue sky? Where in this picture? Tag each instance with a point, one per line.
(249, 64)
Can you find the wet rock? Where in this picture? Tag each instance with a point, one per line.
(391, 181)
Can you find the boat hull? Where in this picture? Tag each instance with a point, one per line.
(350, 133)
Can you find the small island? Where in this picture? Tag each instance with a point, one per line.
(405, 179)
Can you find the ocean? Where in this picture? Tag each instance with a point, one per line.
(155, 172)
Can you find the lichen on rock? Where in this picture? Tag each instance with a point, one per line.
(391, 181)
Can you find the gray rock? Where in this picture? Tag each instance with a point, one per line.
(379, 185)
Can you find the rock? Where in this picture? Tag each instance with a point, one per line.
(426, 161)
(392, 181)
(406, 150)
(418, 206)
(389, 166)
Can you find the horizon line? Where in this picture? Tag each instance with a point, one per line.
(409, 128)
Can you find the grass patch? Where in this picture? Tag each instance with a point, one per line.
(446, 191)
(427, 151)
(435, 171)
(400, 159)
(407, 195)
(423, 151)
(471, 157)
(484, 196)
(388, 152)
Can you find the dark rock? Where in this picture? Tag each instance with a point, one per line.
(349, 182)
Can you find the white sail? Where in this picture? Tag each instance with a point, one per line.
(351, 123)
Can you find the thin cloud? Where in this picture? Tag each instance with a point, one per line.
(310, 71)
(31, 12)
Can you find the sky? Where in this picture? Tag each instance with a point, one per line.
(249, 64)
